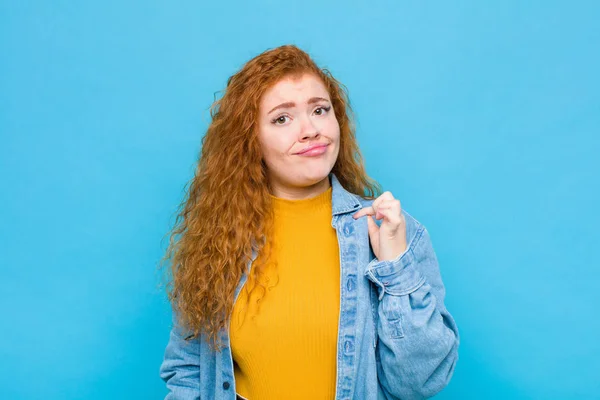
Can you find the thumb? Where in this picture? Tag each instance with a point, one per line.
(373, 232)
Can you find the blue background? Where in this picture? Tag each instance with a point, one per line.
(481, 117)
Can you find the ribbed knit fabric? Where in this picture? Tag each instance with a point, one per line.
(288, 350)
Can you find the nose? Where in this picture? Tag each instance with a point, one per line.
(308, 130)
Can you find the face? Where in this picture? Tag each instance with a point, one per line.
(296, 114)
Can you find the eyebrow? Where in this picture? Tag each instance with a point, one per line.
(291, 104)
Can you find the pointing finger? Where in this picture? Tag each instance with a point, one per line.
(364, 211)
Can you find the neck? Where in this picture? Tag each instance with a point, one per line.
(300, 192)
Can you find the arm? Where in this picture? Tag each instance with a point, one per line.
(180, 368)
(418, 338)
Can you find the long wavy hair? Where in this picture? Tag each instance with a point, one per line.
(227, 213)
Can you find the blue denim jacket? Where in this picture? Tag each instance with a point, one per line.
(396, 339)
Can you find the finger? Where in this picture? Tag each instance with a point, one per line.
(379, 212)
(383, 201)
(364, 211)
(389, 203)
(387, 195)
(373, 228)
(390, 215)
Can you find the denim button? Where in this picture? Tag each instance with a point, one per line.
(225, 385)
(348, 346)
(348, 229)
(350, 284)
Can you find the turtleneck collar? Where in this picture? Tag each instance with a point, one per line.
(313, 204)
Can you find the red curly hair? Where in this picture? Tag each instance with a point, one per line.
(227, 211)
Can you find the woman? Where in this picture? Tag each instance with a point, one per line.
(342, 293)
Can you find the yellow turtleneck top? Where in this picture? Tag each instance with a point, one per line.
(287, 349)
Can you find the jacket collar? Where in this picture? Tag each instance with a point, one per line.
(342, 201)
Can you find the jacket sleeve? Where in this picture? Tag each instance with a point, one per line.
(418, 338)
(180, 368)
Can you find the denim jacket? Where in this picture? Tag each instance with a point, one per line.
(396, 339)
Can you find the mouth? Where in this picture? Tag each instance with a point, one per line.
(316, 149)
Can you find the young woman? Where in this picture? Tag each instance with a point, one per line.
(292, 277)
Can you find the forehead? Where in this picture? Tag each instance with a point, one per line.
(294, 88)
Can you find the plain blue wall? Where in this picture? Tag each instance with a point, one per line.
(482, 118)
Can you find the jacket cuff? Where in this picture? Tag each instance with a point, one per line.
(398, 277)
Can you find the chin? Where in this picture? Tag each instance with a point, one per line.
(317, 176)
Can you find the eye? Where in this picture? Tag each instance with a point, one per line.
(323, 108)
(281, 119)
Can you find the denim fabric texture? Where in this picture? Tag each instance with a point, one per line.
(396, 339)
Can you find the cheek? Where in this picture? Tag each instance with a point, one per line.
(335, 131)
(333, 126)
(274, 147)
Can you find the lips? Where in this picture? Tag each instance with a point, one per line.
(314, 146)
